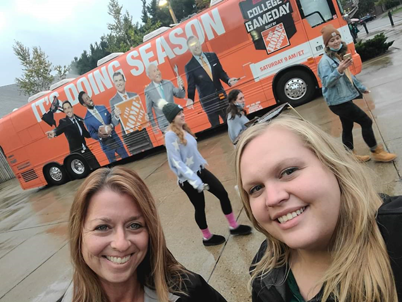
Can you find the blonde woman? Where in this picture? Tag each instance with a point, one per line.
(118, 248)
(189, 166)
(329, 236)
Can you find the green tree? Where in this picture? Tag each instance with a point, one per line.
(365, 7)
(89, 61)
(37, 69)
(203, 4)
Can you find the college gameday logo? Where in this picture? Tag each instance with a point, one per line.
(269, 23)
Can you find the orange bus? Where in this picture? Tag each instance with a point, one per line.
(269, 49)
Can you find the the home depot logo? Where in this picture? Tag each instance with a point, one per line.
(275, 38)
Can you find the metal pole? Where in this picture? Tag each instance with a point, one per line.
(390, 18)
(172, 14)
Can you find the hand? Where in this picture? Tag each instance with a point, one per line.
(190, 104)
(117, 112)
(50, 134)
(180, 83)
(104, 131)
(344, 64)
(233, 81)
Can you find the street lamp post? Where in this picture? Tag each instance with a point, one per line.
(163, 3)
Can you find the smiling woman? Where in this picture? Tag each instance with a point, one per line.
(118, 248)
(329, 237)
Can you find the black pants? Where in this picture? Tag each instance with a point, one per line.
(350, 113)
(90, 159)
(214, 109)
(198, 199)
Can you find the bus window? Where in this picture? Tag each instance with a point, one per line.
(316, 12)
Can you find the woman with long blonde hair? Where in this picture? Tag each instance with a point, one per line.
(329, 236)
(189, 166)
(118, 248)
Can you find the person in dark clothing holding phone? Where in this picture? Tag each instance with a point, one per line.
(340, 88)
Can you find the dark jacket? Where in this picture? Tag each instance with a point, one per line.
(72, 133)
(198, 78)
(199, 290)
(271, 288)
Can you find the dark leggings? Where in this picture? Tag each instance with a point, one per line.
(198, 199)
(349, 113)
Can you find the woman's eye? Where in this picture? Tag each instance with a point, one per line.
(102, 227)
(135, 226)
(255, 189)
(288, 171)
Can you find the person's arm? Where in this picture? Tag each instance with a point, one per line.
(200, 290)
(178, 92)
(60, 129)
(115, 113)
(92, 131)
(359, 85)
(190, 83)
(234, 128)
(329, 77)
(222, 73)
(172, 143)
(149, 104)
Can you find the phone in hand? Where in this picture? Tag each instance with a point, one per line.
(347, 56)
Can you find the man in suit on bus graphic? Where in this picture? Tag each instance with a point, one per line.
(75, 132)
(160, 89)
(205, 72)
(137, 140)
(99, 124)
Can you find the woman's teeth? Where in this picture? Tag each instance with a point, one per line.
(118, 260)
(290, 216)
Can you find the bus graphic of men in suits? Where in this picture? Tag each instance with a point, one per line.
(75, 132)
(160, 89)
(136, 140)
(205, 72)
(99, 124)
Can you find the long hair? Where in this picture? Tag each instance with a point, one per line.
(159, 270)
(173, 127)
(232, 110)
(360, 269)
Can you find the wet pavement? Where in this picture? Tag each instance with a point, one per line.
(34, 256)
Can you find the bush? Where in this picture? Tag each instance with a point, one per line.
(373, 47)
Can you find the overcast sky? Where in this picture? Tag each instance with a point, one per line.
(62, 28)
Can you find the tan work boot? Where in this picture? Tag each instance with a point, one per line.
(361, 158)
(383, 156)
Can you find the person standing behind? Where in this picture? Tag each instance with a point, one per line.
(189, 166)
(236, 114)
(340, 88)
(160, 89)
(137, 140)
(99, 124)
(73, 128)
(205, 72)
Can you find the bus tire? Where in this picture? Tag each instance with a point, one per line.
(77, 166)
(55, 174)
(295, 87)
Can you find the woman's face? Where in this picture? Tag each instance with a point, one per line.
(114, 237)
(240, 99)
(292, 195)
(179, 120)
(335, 42)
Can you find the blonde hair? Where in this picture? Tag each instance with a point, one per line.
(360, 268)
(173, 127)
(159, 270)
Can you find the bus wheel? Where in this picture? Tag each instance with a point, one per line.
(55, 174)
(296, 87)
(77, 166)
